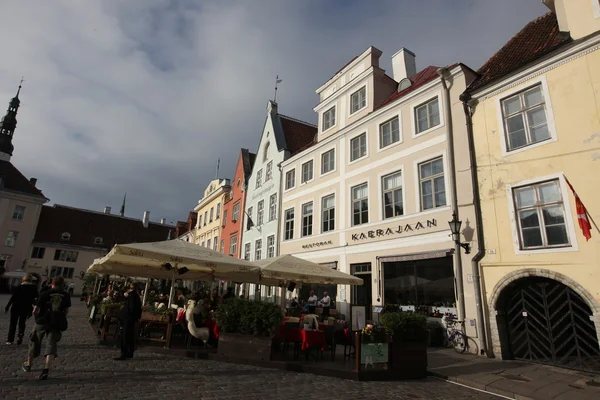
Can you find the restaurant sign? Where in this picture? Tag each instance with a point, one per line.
(430, 223)
(316, 244)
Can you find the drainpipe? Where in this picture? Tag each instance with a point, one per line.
(475, 266)
(443, 72)
(282, 292)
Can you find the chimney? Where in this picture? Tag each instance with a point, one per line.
(162, 221)
(106, 210)
(33, 181)
(403, 64)
(146, 218)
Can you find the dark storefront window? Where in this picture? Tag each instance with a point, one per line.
(419, 283)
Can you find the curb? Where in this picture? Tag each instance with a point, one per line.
(479, 386)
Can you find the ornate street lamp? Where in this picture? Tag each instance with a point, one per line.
(455, 229)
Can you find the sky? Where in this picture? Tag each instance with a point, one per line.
(144, 96)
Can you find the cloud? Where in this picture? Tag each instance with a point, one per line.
(143, 96)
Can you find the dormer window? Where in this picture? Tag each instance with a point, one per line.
(329, 118)
(98, 240)
(358, 100)
(65, 236)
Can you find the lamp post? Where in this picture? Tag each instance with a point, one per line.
(455, 229)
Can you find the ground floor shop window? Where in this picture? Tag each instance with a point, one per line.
(420, 285)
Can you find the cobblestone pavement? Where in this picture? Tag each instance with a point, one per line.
(85, 370)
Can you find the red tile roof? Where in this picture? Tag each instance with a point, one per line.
(14, 180)
(536, 39)
(297, 133)
(85, 226)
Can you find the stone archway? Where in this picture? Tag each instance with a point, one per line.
(523, 282)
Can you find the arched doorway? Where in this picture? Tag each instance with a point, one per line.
(543, 320)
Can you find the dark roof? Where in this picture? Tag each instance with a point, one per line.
(536, 39)
(14, 180)
(84, 226)
(297, 133)
(248, 161)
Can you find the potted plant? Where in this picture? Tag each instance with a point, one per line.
(151, 313)
(375, 334)
(110, 309)
(247, 328)
(408, 347)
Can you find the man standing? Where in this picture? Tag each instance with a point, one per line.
(326, 301)
(50, 314)
(132, 311)
(312, 302)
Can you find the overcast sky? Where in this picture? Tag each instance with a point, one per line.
(143, 96)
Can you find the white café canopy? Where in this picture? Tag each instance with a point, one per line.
(148, 260)
(274, 271)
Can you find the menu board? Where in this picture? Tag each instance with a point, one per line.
(358, 318)
(373, 353)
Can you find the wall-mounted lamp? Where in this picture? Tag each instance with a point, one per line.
(455, 229)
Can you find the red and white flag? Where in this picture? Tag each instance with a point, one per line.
(582, 214)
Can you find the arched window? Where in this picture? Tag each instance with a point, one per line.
(66, 236)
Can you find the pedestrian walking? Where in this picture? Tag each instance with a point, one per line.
(132, 313)
(21, 306)
(50, 314)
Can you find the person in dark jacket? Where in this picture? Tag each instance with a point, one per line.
(21, 306)
(132, 313)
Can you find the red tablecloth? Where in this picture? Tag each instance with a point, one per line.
(312, 338)
(211, 324)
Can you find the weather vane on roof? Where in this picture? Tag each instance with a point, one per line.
(277, 81)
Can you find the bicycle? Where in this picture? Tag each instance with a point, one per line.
(454, 336)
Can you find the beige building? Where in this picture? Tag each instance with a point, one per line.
(536, 124)
(209, 209)
(373, 195)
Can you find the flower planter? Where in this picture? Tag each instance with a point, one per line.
(149, 316)
(408, 360)
(239, 347)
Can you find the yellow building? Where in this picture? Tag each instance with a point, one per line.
(535, 118)
(209, 209)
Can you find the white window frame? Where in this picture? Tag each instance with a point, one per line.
(350, 112)
(596, 7)
(260, 213)
(20, 215)
(208, 243)
(334, 107)
(321, 173)
(272, 207)
(258, 250)
(38, 252)
(569, 219)
(218, 213)
(270, 246)
(335, 210)
(312, 220)
(235, 215)
(312, 176)
(380, 190)
(549, 115)
(14, 239)
(212, 214)
(356, 137)
(216, 243)
(247, 251)
(293, 172)
(249, 216)
(258, 182)
(369, 210)
(400, 133)
(422, 99)
(417, 182)
(233, 246)
(431, 179)
(285, 221)
(269, 171)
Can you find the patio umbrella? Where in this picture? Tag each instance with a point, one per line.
(277, 270)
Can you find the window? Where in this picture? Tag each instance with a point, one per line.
(328, 161)
(11, 239)
(290, 179)
(541, 216)
(65, 272)
(525, 118)
(225, 217)
(360, 204)
(236, 213)
(260, 213)
(307, 171)
(216, 243)
(328, 213)
(258, 178)
(66, 255)
(250, 222)
(392, 195)
(257, 249)
(273, 207)
(208, 242)
(307, 219)
(5, 261)
(271, 246)
(202, 244)
(200, 220)
(389, 132)
(38, 252)
(329, 118)
(233, 246)
(427, 115)
(65, 236)
(247, 251)
(19, 213)
(212, 212)
(222, 246)
(358, 147)
(433, 187)
(205, 217)
(269, 173)
(266, 152)
(98, 240)
(289, 224)
(358, 100)
(218, 211)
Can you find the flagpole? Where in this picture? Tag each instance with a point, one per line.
(592, 220)
(277, 81)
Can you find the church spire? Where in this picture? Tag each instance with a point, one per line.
(8, 125)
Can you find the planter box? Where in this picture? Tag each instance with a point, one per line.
(247, 347)
(408, 360)
(148, 316)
